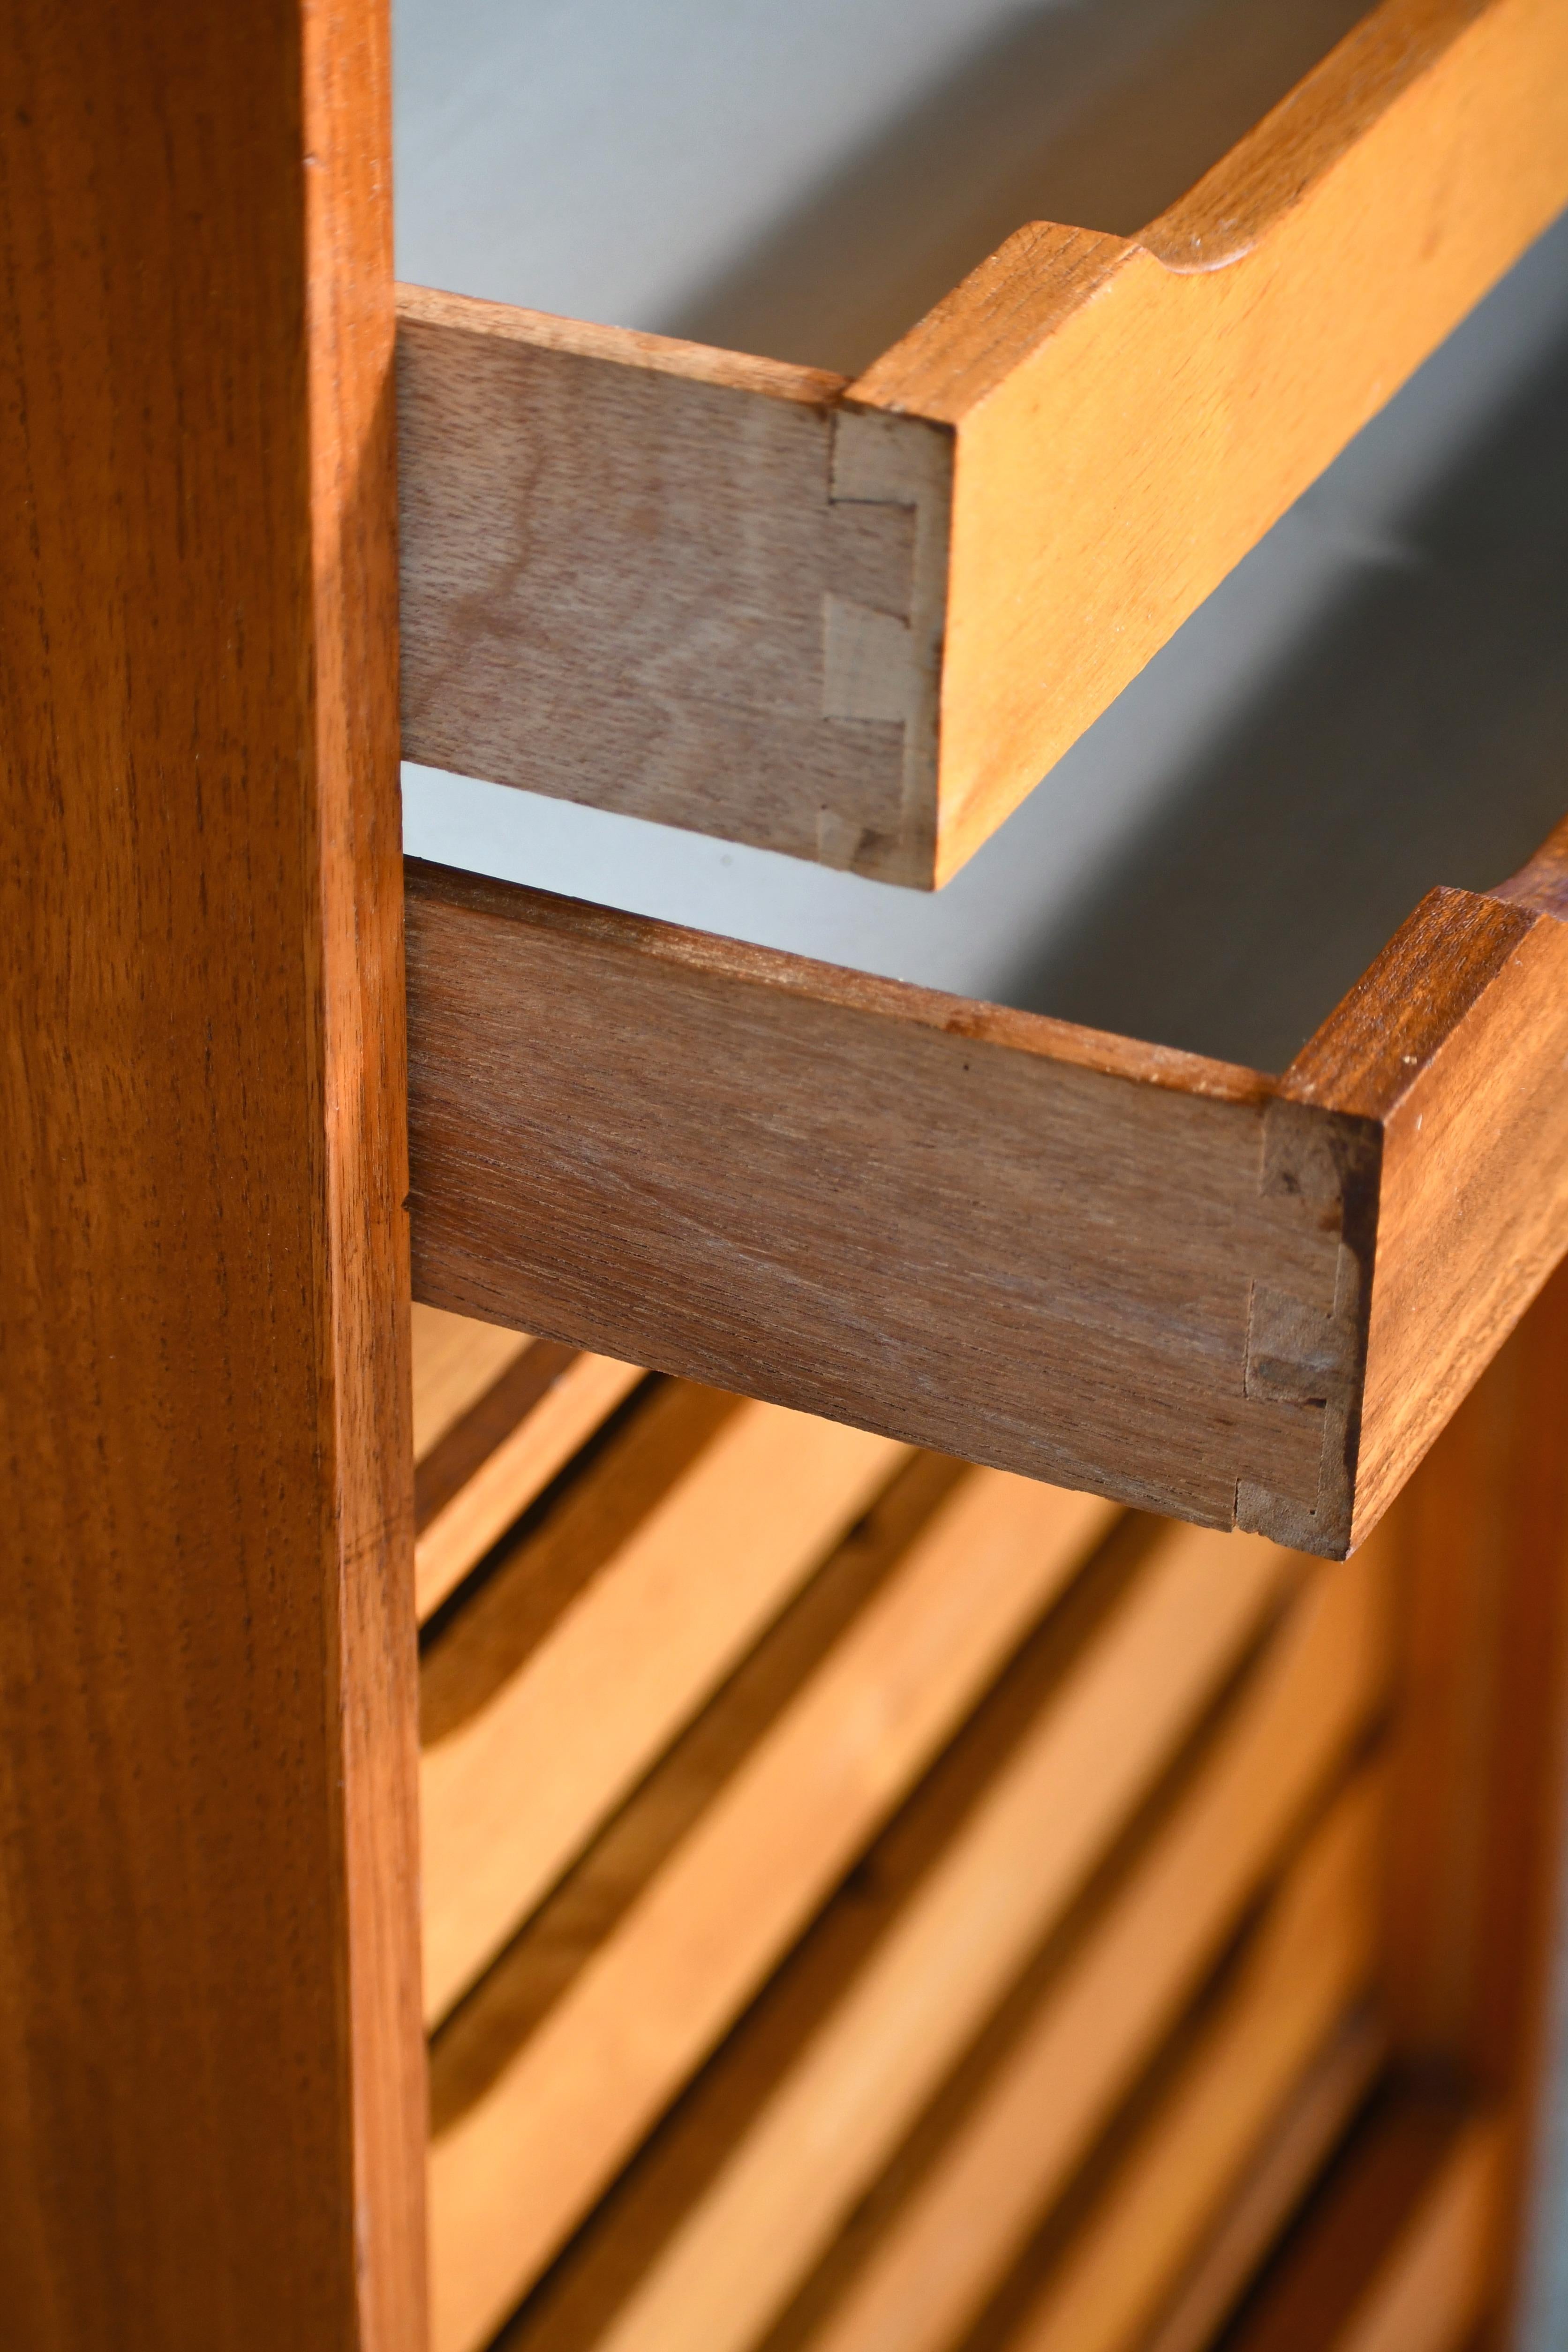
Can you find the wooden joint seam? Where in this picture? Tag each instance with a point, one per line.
(883, 667)
(1308, 1354)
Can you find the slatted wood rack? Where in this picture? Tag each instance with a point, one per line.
(920, 1705)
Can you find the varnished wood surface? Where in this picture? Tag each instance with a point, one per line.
(211, 2103)
(1397, 2255)
(601, 1632)
(858, 622)
(625, 1981)
(828, 1191)
(732, 2205)
(1306, 1964)
(1303, 1277)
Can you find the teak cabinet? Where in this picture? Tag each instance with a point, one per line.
(921, 1703)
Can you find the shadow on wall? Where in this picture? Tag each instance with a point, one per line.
(1100, 117)
(1419, 735)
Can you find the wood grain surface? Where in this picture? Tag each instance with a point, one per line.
(858, 622)
(732, 2205)
(926, 2253)
(621, 1985)
(1021, 1242)
(1247, 1301)
(1455, 1044)
(211, 2095)
(604, 1628)
(1398, 2252)
(1306, 1964)
(1133, 414)
(671, 581)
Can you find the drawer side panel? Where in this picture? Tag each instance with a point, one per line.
(672, 584)
(1025, 1261)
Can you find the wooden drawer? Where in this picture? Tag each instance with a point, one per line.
(1245, 1300)
(872, 1902)
(857, 620)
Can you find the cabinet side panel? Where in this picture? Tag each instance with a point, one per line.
(210, 2126)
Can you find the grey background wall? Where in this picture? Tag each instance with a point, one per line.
(1376, 701)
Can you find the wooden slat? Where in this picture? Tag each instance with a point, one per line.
(814, 615)
(669, 581)
(1311, 1959)
(618, 1989)
(444, 1474)
(1440, 2274)
(1278, 2180)
(503, 1414)
(211, 2125)
(1454, 1043)
(746, 2186)
(605, 1628)
(910, 2276)
(1399, 2253)
(1474, 1894)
